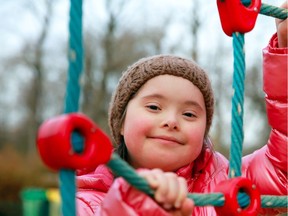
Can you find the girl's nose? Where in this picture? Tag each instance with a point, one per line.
(171, 123)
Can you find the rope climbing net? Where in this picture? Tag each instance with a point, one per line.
(243, 16)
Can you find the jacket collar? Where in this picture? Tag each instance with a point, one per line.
(196, 166)
(102, 177)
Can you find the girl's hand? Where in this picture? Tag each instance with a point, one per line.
(282, 29)
(170, 191)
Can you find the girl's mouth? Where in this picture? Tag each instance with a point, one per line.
(166, 140)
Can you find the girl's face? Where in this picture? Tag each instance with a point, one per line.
(165, 124)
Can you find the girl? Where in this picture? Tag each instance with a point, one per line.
(160, 116)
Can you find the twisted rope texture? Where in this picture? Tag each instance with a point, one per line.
(75, 57)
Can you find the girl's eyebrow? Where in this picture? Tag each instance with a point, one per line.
(194, 103)
(188, 102)
(156, 95)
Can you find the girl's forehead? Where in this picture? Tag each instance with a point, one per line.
(168, 87)
(167, 81)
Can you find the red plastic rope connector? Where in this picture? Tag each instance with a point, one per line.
(230, 189)
(236, 17)
(54, 143)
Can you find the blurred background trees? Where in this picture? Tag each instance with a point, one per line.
(116, 33)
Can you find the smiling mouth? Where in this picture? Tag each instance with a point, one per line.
(166, 140)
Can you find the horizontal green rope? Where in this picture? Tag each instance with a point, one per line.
(269, 10)
(272, 201)
(201, 199)
(273, 11)
(123, 169)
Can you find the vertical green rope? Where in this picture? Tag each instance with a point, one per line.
(67, 187)
(237, 134)
(75, 57)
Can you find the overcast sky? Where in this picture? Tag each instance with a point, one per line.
(19, 23)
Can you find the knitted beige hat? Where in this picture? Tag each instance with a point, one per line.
(143, 70)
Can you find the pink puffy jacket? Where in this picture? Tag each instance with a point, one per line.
(99, 194)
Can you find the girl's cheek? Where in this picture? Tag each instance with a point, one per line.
(135, 133)
(197, 138)
(137, 125)
(142, 125)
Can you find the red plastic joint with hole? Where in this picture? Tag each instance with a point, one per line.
(230, 189)
(236, 17)
(54, 143)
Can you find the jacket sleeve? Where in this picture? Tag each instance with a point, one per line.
(267, 167)
(101, 196)
(123, 199)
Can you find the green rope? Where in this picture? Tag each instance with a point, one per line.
(123, 169)
(269, 10)
(237, 134)
(75, 57)
(273, 11)
(67, 190)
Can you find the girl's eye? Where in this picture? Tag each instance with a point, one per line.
(153, 107)
(189, 114)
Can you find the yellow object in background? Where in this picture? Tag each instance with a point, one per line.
(54, 199)
(53, 195)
